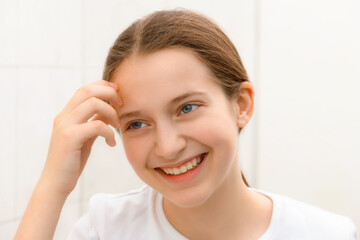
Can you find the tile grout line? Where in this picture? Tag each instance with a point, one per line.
(16, 141)
(82, 57)
(256, 140)
(11, 220)
(44, 66)
(17, 125)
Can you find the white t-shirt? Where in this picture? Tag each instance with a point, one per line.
(139, 215)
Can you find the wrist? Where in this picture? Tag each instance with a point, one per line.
(48, 188)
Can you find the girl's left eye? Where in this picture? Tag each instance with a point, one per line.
(188, 108)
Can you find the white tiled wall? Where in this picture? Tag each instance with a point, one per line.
(302, 57)
(103, 22)
(9, 25)
(50, 32)
(8, 143)
(309, 102)
(41, 94)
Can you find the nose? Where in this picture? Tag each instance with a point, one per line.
(169, 142)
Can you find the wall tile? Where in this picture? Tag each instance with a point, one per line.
(108, 170)
(42, 95)
(104, 21)
(92, 74)
(309, 102)
(50, 32)
(9, 26)
(8, 230)
(8, 138)
(69, 216)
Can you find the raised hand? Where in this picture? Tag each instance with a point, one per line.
(74, 132)
(85, 117)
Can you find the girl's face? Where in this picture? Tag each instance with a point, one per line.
(174, 115)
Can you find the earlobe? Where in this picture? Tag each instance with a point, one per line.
(245, 104)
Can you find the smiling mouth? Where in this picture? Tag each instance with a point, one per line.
(189, 165)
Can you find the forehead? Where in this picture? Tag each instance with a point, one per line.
(161, 75)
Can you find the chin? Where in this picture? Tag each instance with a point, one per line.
(189, 199)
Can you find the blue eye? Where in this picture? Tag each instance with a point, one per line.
(188, 108)
(136, 125)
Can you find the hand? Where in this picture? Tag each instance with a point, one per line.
(73, 134)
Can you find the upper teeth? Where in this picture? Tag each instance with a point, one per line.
(184, 168)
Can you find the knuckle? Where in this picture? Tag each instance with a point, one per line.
(93, 101)
(59, 120)
(86, 90)
(98, 125)
(114, 112)
(56, 120)
(66, 133)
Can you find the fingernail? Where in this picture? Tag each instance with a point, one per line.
(118, 124)
(114, 85)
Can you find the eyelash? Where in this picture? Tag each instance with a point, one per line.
(187, 104)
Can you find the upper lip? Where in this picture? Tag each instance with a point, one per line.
(182, 162)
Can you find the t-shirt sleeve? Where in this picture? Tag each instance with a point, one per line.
(83, 230)
(352, 232)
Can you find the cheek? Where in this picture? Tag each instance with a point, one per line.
(215, 130)
(136, 151)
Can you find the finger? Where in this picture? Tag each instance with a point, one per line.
(86, 152)
(90, 130)
(100, 89)
(101, 82)
(99, 117)
(93, 106)
(86, 149)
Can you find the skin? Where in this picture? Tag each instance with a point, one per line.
(164, 135)
(217, 201)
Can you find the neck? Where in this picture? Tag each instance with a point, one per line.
(233, 211)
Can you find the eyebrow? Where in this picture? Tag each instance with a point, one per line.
(172, 102)
(186, 95)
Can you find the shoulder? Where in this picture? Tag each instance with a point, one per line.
(317, 221)
(309, 221)
(112, 216)
(115, 216)
(125, 207)
(107, 204)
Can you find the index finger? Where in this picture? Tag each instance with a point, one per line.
(115, 86)
(101, 89)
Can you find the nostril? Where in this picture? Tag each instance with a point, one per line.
(169, 150)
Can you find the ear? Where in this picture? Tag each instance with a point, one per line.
(244, 104)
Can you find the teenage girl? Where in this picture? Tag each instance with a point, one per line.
(177, 93)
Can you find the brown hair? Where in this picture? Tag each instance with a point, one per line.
(182, 28)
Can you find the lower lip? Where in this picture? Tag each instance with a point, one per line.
(185, 176)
